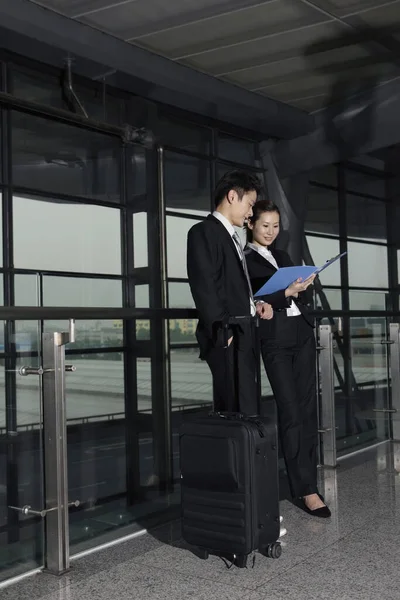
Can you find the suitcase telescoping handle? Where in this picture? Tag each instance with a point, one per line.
(254, 322)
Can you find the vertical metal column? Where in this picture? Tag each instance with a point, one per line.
(394, 332)
(161, 372)
(327, 424)
(55, 451)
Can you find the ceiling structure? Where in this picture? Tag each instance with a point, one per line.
(306, 53)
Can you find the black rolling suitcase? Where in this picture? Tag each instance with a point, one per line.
(229, 484)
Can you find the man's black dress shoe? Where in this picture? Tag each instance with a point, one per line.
(323, 512)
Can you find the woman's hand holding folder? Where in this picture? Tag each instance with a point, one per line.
(299, 286)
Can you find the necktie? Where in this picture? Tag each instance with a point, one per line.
(236, 239)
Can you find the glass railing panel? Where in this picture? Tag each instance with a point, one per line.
(21, 451)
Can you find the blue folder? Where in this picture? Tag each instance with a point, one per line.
(287, 275)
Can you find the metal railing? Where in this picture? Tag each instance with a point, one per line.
(52, 373)
(327, 406)
(37, 313)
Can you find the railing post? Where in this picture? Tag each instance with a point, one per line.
(394, 332)
(327, 419)
(55, 452)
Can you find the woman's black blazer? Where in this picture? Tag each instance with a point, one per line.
(281, 330)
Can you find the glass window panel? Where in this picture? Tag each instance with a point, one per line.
(191, 381)
(337, 352)
(26, 335)
(222, 169)
(96, 388)
(37, 87)
(91, 333)
(46, 89)
(97, 454)
(368, 265)
(369, 368)
(266, 390)
(102, 107)
(322, 249)
(76, 291)
(60, 236)
(142, 296)
(52, 156)
(26, 339)
(187, 184)
(367, 355)
(364, 183)
(140, 249)
(360, 300)
(182, 135)
(398, 267)
(191, 392)
(366, 219)
(138, 173)
(332, 297)
(322, 211)
(1, 162)
(23, 549)
(180, 296)
(26, 290)
(1, 223)
(142, 329)
(146, 440)
(182, 330)
(177, 231)
(326, 175)
(143, 366)
(139, 111)
(236, 149)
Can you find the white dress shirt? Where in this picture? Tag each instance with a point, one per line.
(293, 310)
(231, 230)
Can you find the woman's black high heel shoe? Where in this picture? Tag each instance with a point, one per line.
(322, 513)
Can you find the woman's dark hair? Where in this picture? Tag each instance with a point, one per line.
(260, 207)
(240, 181)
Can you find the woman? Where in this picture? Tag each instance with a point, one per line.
(289, 355)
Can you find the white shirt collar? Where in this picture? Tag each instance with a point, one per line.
(260, 249)
(228, 226)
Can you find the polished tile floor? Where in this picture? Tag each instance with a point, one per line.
(353, 556)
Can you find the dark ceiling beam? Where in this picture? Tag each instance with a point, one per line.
(157, 78)
(358, 125)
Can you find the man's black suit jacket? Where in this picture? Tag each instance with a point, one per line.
(281, 331)
(218, 284)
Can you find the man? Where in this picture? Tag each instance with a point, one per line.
(221, 289)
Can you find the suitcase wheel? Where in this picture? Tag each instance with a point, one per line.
(203, 554)
(240, 561)
(274, 550)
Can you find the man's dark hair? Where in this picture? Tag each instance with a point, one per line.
(240, 181)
